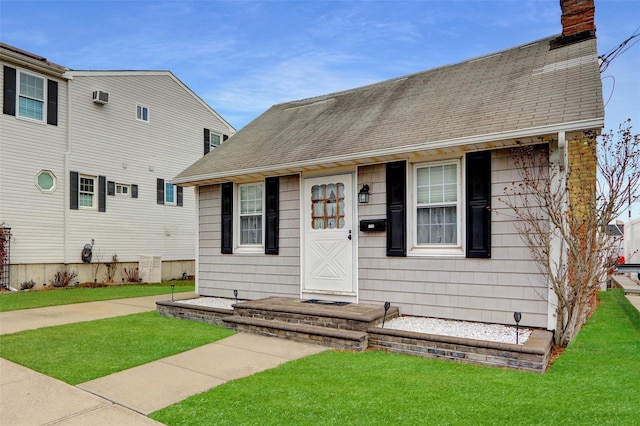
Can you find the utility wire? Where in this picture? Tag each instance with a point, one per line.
(608, 57)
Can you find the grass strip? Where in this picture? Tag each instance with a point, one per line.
(76, 353)
(595, 381)
(55, 297)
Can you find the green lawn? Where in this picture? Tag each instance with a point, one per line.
(595, 381)
(42, 298)
(76, 353)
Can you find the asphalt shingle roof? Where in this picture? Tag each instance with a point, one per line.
(526, 87)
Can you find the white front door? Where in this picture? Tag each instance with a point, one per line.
(328, 239)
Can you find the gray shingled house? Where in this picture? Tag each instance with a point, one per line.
(279, 203)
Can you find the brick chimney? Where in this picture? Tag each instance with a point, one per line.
(578, 22)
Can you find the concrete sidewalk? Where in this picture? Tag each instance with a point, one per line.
(30, 319)
(30, 398)
(126, 397)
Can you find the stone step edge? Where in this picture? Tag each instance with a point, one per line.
(538, 343)
(356, 336)
(310, 311)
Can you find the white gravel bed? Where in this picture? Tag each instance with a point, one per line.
(210, 302)
(464, 329)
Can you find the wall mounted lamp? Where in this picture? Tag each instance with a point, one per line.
(363, 195)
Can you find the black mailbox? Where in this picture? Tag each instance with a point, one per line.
(373, 225)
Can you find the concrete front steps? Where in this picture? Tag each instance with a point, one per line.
(329, 324)
(626, 283)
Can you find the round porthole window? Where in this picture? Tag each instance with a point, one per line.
(46, 181)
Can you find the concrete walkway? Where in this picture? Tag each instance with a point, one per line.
(30, 319)
(635, 300)
(126, 397)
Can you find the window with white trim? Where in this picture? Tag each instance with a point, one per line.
(250, 210)
(87, 192)
(142, 113)
(31, 97)
(437, 209)
(123, 189)
(214, 140)
(46, 181)
(170, 193)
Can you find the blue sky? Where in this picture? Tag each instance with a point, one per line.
(241, 57)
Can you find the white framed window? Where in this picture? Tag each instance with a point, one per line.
(142, 113)
(250, 212)
(87, 192)
(46, 181)
(170, 194)
(123, 189)
(31, 97)
(437, 208)
(214, 140)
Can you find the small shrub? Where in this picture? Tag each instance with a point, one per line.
(62, 279)
(112, 268)
(27, 285)
(131, 275)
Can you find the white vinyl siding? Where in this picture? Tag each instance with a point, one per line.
(35, 215)
(116, 146)
(131, 226)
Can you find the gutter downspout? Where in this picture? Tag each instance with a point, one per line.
(67, 186)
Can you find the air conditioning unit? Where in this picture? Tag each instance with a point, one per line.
(100, 97)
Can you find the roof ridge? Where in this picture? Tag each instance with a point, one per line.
(314, 99)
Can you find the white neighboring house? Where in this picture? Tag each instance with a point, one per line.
(89, 155)
(632, 241)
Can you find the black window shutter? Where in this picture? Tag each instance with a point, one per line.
(52, 102)
(179, 196)
(478, 204)
(227, 218)
(207, 145)
(160, 191)
(102, 194)
(134, 191)
(111, 188)
(272, 208)
(74, 179)
(396, 177)
(9, 91)
(225, 137)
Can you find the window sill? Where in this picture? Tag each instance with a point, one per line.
(454, 252)
(249, 250)
(30, 120)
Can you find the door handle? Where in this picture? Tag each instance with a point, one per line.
(349, 236)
